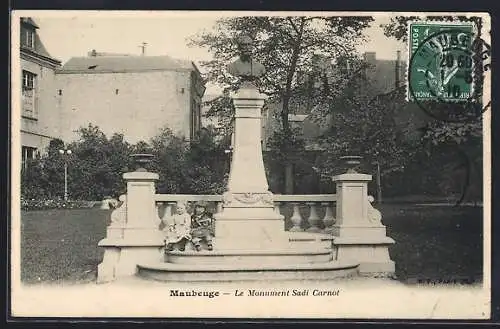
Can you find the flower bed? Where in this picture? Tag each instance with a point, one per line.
(43, 204)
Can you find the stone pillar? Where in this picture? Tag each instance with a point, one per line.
(358, 232)
(248, 219)
(134, 236)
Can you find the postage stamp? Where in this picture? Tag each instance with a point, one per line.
(441, 61)
(447, 61)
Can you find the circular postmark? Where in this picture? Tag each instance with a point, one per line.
(446, 75)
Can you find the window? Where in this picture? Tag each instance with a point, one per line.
(28, 80)
(27, 153)
(28, 94)
(27, 37)
(195, 118)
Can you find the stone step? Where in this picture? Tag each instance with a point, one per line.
(312, 254)
(246, 272)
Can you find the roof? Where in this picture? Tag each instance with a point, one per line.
(112, 64)
(40, 50)
(29, 21)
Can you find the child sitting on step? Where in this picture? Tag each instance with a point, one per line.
(202, 226)
(178, 229)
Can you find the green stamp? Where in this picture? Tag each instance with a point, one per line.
(441, 65)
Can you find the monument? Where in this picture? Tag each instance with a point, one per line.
(248, 220)
(250, 239)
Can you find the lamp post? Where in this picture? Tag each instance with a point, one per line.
(65, 153)
(229, 152)
(378, 182)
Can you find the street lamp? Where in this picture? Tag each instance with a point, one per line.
(229, 152)
(65, 153)
(378, 181)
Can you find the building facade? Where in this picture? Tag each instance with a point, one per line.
(40, 120)
(133, 95)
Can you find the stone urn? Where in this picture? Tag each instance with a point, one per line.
(141, 160)
(352, 162)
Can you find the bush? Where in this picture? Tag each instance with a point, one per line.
(97, 163)
(44, 204)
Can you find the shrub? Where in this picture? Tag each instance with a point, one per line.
(44, 204)
(97, 163)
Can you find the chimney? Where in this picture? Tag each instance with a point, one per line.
(397, 69)
(143, 48)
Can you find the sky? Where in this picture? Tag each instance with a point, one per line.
(73, 34)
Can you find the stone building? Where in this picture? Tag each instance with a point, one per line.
(40, 120)
(384, 75)
(133, 95)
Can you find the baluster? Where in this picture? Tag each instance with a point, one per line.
(219, 206)
(328, 220)
(296, 218)
(157, 213)
(313, 220)
(167, 212)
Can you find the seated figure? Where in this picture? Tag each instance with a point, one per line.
(178, 229)
(202, 226)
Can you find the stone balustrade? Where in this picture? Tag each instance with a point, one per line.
(308, 212)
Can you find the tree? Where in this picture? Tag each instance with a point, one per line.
(44, 175)
(206, 164)
(462, 129)
(96, 165)
(362, 123)
(285, 45)
(188, 167)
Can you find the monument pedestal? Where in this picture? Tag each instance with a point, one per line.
(358, 231)
(133, 235)
(248, 220)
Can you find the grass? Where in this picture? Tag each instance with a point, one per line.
(431, 242)
(435, 243)
(61, 245)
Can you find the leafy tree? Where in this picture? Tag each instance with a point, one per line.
(189, 167)
(362, 123)
(398, 25)
(97, 164)
(285, 45)
(44, 175)
(169, 159)
(460, 135)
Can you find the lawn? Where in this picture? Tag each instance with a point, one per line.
(431, 242)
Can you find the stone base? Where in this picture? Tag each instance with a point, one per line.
(236, 258)
(371, 253)
(255, 272)
(121, 257)
(376, 231)
(303, 240)
(383, 268)
(117, 231)
(250, 234)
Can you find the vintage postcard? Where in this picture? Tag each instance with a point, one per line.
(192, 164)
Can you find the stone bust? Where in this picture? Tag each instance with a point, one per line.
(245, 67)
